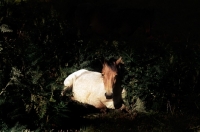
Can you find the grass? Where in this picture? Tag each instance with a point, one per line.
(138, 122)
(118, 121)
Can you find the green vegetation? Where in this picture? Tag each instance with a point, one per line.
(40, 45)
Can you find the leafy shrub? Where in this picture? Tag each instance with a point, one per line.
(43, 48)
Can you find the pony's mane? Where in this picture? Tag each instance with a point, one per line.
(119, 68)
(111, 64)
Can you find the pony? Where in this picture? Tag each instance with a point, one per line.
(101, 90)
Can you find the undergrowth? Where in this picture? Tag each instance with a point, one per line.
(152, 122)
(40, 46)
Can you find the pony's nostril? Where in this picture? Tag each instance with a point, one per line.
(110, 96)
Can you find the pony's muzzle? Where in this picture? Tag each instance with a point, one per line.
(110, 96)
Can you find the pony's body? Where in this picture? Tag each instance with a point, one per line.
(88, 87)
(95, 89)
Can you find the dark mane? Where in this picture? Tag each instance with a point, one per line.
(111, 64)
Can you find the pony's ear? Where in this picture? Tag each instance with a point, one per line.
(119, 61)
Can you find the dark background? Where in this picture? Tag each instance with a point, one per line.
(158, 41)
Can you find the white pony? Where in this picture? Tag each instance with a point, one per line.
(101, 90)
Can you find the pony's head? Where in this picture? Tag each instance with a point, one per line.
(110, 75)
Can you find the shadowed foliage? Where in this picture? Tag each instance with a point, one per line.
(42, 42)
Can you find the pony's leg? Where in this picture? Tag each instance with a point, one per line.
(124, 109)
(109, 104)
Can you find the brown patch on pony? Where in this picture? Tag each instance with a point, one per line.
(110, 74)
